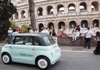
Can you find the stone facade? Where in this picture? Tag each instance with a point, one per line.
(56, 13)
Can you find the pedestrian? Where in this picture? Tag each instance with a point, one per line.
(74, 35)
(14, 32)
(10, 31)
(53, 34)
(20, 30)
(63, 33)
(45, 30)
(79, 28)
(36, 30)
(30, 30)
(87, 37)
(97, 49)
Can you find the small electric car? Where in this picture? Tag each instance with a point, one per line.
(31, 48)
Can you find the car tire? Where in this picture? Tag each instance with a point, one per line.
(6, 58)
(43, 63)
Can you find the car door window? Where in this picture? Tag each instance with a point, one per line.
(23, 40)
(36, 41)
(28, 40)
(19, 40)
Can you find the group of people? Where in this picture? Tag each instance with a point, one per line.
(11, 32)
(76, 32)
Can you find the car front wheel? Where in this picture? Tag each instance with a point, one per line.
(43, 63)
(6, 58)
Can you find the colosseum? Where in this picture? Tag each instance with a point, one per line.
(57, 13)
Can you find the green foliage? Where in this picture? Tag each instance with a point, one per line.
(6, 11)
(13, 25)
(25, 28)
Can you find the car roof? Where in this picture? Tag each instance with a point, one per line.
(32, 34)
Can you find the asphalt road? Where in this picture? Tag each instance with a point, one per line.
(69, 61)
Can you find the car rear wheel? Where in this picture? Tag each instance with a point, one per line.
(6, 58)
(43, 63)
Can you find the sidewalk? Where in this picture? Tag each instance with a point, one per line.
(76, 49)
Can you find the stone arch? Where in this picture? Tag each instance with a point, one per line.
(61, 24)
(23, 14)
(95, 6)
(72, 24)
(40, 11)
(40, 27)
(60, 9)
(49, 10)
(51, 26)
(96, 23)
(84, 23)
(71, 8)
(16, 15)
(83, 7)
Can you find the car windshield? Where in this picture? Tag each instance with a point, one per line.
(48, 40)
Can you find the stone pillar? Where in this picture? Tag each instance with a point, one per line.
(89, 7)
(56, 27)
(19, 15)
(65, 8)
(78, 22)
(99, 7)
(67, 25)
(55, 9)
(26, 13)
(44, 11)
(90, 22)
(77, 8)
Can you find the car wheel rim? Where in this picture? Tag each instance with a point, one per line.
(42, 63)
(6, 59)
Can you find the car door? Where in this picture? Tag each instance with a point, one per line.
(22, 49)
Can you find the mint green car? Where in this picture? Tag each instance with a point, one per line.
(31, 48)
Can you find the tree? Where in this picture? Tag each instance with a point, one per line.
(32, 13)
(13, 24)
(6, 11)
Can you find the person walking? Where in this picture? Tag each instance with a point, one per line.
(87, 36)
(97, 49)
